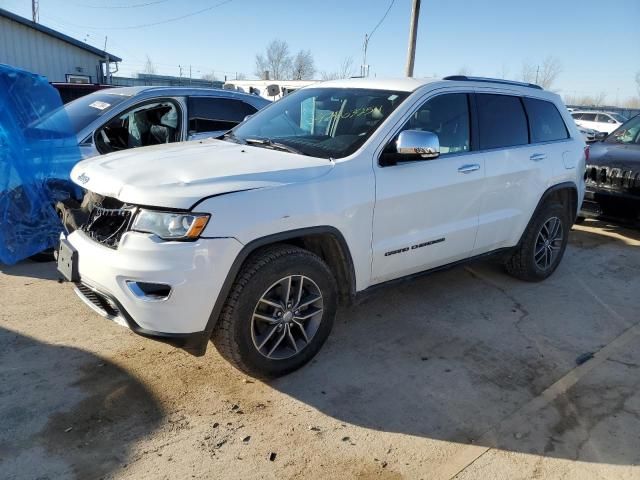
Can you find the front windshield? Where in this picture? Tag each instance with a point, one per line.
(320, 122)
(81, 112)
(628, 134)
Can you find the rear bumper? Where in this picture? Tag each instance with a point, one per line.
(194, 271)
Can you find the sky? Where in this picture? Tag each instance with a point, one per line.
(595, 41)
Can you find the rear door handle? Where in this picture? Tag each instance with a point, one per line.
(536, 157)
(471, 167)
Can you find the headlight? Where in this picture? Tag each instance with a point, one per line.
(171, 225)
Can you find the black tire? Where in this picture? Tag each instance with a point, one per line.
(522, 264)
(234, 333)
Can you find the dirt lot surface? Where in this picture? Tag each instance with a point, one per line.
(465, 373)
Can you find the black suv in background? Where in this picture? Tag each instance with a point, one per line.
(613, 175)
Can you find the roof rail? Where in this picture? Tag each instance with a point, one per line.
(465, 78)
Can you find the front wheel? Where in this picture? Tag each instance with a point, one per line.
(542, 245)
(279, 312)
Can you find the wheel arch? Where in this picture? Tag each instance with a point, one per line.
(325, 241)
(565, 193)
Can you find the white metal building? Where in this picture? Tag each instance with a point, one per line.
(38, 49)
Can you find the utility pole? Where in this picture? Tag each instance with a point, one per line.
(107, 68)
(413, 35)
(35, 10)
(364, 68)
(189, 74)
(537, 72)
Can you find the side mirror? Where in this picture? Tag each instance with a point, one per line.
(273, 90)
(418, 142)
(247, 117)
(101, 141)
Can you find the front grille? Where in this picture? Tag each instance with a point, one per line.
(99, 300)
(612, 178)
(106, 225)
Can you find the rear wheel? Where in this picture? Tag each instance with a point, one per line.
(542, 246)
(279, 312)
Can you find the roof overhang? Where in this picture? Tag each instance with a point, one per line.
(58, 35)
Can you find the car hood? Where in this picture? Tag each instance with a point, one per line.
(181, 174)
(615, 155)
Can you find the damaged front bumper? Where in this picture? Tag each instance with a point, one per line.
(158, 289)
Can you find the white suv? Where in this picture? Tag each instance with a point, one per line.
(254, 239)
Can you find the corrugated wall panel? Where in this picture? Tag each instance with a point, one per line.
(37, 52)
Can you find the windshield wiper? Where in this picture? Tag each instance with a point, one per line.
(232, 137)
(268, 143)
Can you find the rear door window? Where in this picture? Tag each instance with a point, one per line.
(208, 114)
(545, 122)
(604, 118)
(588, 117)
(502, 121)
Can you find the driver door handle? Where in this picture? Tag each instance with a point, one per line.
(471, 167)
(536, 157)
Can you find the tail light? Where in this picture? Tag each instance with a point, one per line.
(587, 154)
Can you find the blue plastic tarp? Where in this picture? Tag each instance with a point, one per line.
(38, 148)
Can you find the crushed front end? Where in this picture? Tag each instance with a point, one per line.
(161, 289)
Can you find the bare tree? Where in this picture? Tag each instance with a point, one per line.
(633, 102)
(544, 74)
(504, 71)
(276, 61)
(638, 81)
(549, 71)
(302, 66)
(149, 67)
(344, 71)
(240, 76)
(598, 100)
(464, 70)
(528, 72)
(586, 100)
(211, 77)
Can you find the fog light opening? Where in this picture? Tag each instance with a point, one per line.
(149, 291)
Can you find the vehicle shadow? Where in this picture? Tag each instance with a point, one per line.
(31, 269)
(459, 353)
(67, 413)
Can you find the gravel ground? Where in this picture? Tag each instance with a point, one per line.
(466, 373)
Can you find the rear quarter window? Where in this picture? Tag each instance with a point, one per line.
(502, 121)
(545, 122)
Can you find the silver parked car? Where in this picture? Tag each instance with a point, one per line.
(117, 119)
(120, 118)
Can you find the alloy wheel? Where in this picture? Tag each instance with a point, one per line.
(548, 243)
(286, 317)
